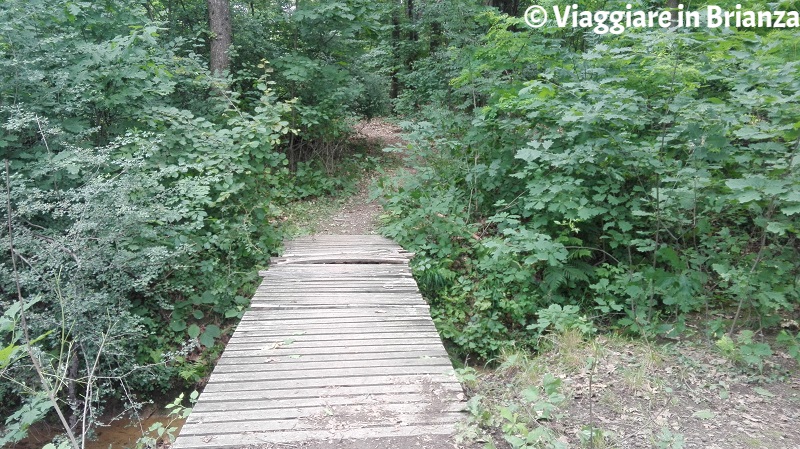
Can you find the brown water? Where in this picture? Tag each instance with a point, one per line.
(120, 434)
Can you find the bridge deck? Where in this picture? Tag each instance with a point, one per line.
(338, 350)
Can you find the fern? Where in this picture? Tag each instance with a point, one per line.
(555, 277)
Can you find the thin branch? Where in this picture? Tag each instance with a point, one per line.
(595, 249)
(53, 241)
(89, 383)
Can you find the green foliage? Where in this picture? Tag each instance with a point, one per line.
(167, 433)
(641, 177)
(317, 59)
(745, 350)
(561, 319)
(143, 196)
(518, 418)
(666, 439)
(791, 342)
(144, 193)
(16, 424)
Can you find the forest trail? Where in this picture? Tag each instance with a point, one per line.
(337, 350)
(359, 215)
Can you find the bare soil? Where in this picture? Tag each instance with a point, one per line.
(359, 215)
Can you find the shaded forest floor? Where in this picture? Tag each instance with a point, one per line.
(610, 392)
(355, 214)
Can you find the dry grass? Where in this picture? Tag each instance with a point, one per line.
(635, 394)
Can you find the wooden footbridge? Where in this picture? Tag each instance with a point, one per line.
(337, 350)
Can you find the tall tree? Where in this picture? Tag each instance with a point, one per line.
(394, 90)
(219, 18)
(673, 7)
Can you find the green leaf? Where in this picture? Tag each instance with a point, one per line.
(177, 325)
(704, 414)
(213, 330)
(194, 331)
(531, 394)
(210, 333)
(763, 392)
(506, 413)
(528, 154)
(208, 297)
(7, 355)
(206, 339)
(514, 441)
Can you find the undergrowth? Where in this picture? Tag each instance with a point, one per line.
(620, 182)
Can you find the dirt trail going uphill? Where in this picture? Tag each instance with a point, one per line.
(359, 215)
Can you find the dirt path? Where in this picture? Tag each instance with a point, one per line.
(358, 215)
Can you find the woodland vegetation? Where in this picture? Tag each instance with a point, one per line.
(566, 181)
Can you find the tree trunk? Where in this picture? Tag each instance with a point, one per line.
(394, 90)
(436, 36)
(411, 14)
(510, 7)
(219, 19)
(673, 6)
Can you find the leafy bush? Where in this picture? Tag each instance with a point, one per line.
(140, 200)
(645, 177)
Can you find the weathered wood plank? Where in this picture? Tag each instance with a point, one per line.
(306, 352)
(292, 319)
(254, 332)
(351, 381)
(393, 397)
(328, 373)
(269, 425)
(366, 357)
(237, 397)
(329, 439)
(317, 411)
(298, 337)
(287, 364)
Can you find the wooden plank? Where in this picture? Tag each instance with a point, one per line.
(297, 374)
(287, 364)
(367, 357)
(337, 337)
(294, 318)
(237, 397)
(268, 331)
(376, 312)
(350, 381)
(290, 346)
(317, 411)
(270, 425)
(343, 280)
(324, 290)
(365, 349)
(281, 403)
(327, 439)
(296, 306)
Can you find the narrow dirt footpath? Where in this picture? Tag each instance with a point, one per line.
(359, 215)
